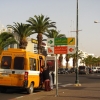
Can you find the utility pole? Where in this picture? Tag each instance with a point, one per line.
(77, 78)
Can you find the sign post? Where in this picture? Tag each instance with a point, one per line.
(59, 49)
(56, 76)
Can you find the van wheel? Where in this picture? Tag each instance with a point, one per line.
(30, 89)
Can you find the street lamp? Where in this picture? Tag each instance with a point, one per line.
(77, 79)
(96, 22)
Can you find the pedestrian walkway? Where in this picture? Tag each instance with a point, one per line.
(90, 91)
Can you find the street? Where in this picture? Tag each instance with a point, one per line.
(65, 80)
(70, 78)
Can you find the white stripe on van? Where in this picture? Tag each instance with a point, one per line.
(22, 72)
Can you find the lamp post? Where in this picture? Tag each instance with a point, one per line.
(77, 77)
(96, 22)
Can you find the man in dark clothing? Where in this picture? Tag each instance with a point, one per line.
(46, 79)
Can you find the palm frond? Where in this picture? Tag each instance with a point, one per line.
(6, 39)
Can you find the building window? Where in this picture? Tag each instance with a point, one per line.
(6, 48)
(11, 45)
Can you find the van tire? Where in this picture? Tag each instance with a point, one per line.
(30, 89)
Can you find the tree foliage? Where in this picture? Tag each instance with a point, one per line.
(6, 39)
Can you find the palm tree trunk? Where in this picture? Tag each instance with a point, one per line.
(23, 43)
(67, 60)
(60, 59)
(74, 62)
(39, 38)
(66, 64)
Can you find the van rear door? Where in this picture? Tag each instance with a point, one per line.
(18, 71)
(5, 71)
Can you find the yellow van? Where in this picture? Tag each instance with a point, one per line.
(20, 69)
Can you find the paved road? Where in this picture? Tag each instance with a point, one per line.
(90, 83)
(70, 78)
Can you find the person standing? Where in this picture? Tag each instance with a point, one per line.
(46, 79)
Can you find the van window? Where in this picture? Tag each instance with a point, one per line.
(19, 63)
(6, 62)
(32, 63)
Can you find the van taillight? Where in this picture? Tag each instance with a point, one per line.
(26, 76)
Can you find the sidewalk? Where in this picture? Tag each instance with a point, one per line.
(90, 91)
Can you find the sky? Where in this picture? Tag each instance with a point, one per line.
(63, 12)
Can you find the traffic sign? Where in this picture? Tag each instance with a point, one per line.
(50, 50)
(50, 41)
(60, 41)
(71, 50)
(71, 41)
(60, 50)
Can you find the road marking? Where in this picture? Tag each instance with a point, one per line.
(17, 98)
(64, 85)
(21, 96)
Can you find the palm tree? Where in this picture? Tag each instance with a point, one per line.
(98, 61)
(74, 57)
(67, 59)
(55, 34)
(40, 25)
(6, 39)
(91, 61)
(23, 31)
(83, 61)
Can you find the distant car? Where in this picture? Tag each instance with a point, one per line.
(95, 69)
(83, 70)
(72, 70)
(61, 71)
(67, 70)
(98, 70)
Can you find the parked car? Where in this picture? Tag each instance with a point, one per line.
(95, 69)
(61, 71)
(67, 70)
(72, 70)
(98, 70)
(83, 70)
